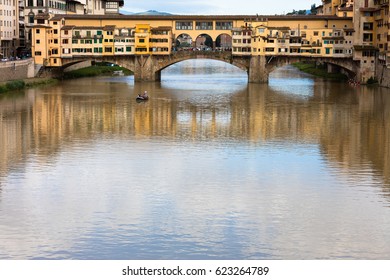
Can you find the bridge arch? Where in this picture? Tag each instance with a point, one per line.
(184, 40)
(224, 41)
(204, 42)
(237, 65)
(86, 62)
(348, 66)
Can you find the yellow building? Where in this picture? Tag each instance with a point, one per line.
(303, 36)
(40, 44)
(74, 36)
(341, 8)
(89, 37)
(142, 36)
(371, 27)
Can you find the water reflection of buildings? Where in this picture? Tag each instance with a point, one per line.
(351, 128)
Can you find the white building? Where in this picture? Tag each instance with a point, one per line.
(9, 27)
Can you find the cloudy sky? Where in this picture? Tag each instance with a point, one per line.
(220, 7)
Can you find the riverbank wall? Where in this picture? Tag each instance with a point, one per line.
(17, 70)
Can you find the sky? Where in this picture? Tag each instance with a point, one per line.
(220, 7)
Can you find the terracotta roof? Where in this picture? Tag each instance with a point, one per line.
(68, 27)
(42, 16)
(90, 27)
(109, 28)
(333, 38)
(368, 9)
(41, 26)
(202, 17)
(162, 28)
(284, 28)
(364, 47)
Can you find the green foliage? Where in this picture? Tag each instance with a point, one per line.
(372, 81)
(313, 9)
(3, 88)
(12, 86)
(16, 85)
(319, 71)
(299, 12)
(95, 70)
(184, 45)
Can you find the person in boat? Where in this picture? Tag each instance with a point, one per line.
(143, 95)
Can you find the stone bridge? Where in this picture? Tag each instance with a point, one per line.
(149, 67)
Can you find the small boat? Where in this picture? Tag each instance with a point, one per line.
(142, 98)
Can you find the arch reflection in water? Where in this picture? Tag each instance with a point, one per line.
(256, 173)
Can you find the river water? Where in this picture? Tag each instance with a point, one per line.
(209, 168)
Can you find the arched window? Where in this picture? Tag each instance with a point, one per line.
(31, 17)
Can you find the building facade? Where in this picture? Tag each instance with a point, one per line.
(38, 12)
(356, 29)
(341, 8)
(9, 28)
(77, 36)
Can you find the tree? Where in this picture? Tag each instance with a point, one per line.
(313, 9)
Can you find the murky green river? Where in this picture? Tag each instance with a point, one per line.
(209, 168)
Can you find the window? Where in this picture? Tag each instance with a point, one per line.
(227, 25)
(31, 18)
(38, 42)
(111, 5)
(204, 25)
(368, 26)
(37, 31)
(184, 25)
(367, 37)
(368, 53)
